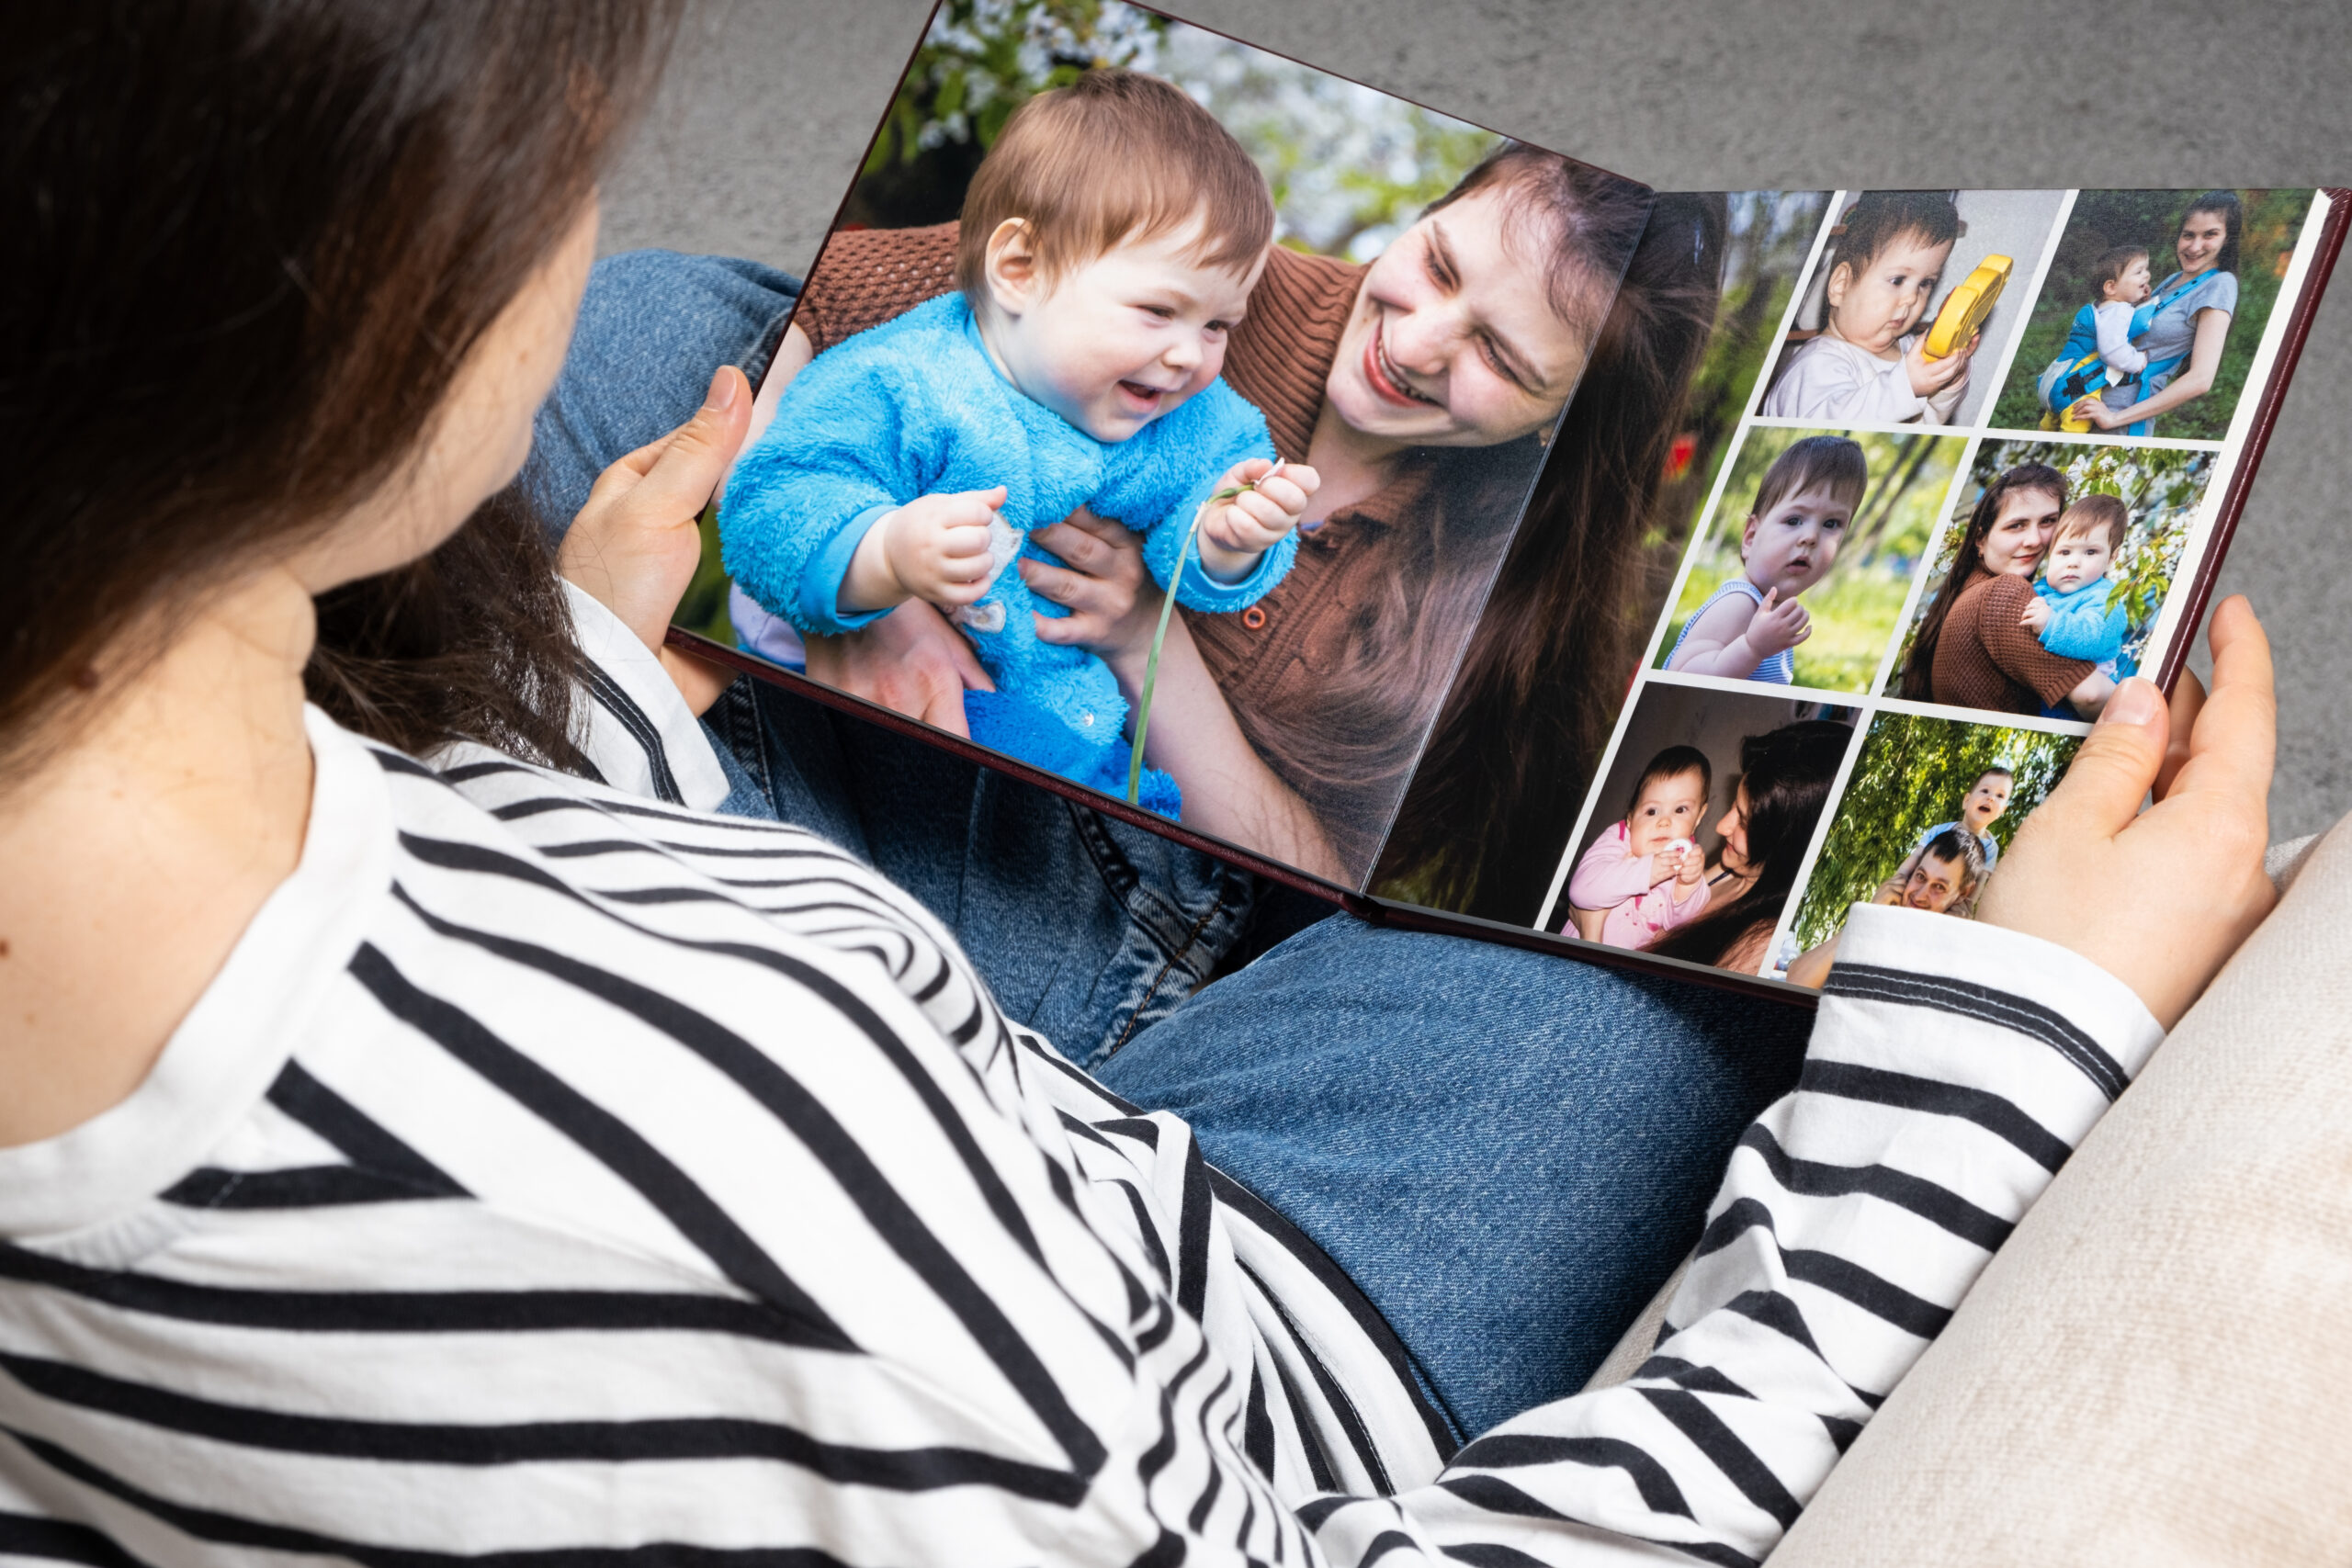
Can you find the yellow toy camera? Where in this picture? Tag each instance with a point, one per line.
(1966, 306)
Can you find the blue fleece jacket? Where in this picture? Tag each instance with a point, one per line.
(2082, 626)
(915, 407)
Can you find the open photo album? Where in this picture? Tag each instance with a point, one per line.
(1475, 537)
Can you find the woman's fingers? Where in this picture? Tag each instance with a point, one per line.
(2112, 772)
(682, 476)
(2231, 751)
(2188, 701)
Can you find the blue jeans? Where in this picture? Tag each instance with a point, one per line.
(1508, 1152)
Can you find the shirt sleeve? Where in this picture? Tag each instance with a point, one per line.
(1166, 482)
(846, 446)
(1823, 382)
(2017, 650)
(1606, 876)
(1953, 1069)
(2114, 329)
(632, 724)
(2086, 629)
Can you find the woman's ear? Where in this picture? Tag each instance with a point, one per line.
(1015, 278)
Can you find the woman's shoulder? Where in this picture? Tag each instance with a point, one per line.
(864, 276)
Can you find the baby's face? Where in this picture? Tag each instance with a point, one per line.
(1792, 547)
(2132, 288)
(2076, 560)
(1121, 340)
(1934, 884)
(1986, 802)
(1875, 305)
(1670, 808)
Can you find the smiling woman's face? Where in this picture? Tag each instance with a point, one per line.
(2202, 235)
(1452, 341)
(2021, 532)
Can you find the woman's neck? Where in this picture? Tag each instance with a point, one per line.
(1350, 465)
(134, 855)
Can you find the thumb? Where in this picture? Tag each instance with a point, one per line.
(696, 458)
(2117, 762)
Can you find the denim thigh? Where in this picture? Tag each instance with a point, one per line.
(1086, 930)
(1507, 1151)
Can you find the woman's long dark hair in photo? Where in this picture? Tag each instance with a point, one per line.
(1919, 668)
(1787, 773)
(292, 220)
(1515, 746)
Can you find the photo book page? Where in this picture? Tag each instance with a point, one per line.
(1981, 476)
(1123, 315)
(1474, 537)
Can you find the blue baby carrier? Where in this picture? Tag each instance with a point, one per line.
(2078, 372)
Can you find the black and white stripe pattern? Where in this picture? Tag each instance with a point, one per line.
(625, 1185)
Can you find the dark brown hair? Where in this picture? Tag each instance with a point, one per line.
(1116, 156)
(249, 243)
(1919, 669)
(2110, 267)
(1883, 216)
(1515, 742)
(1955, 846)
(1787, 773)
(1835, 461)
(1672, 764)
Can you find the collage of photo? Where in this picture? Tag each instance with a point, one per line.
(1971, 474)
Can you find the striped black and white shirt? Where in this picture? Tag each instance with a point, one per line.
(556, 1178)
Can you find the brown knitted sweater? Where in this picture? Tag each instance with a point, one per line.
(1986, 659)
(1276, 661)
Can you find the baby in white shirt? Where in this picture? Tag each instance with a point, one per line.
(2118, 286)
(1868, 366)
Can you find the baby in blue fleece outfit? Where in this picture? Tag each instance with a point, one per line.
(1108, 242)
(2071, 614)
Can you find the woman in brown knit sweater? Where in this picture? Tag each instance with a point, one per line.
(1418, 386)
(1972, 648)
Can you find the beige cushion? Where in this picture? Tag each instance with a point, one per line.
(2157, 1368)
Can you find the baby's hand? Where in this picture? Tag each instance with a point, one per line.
(1271, 500)
(937, 546)
(1690, 865)
(1929, 377)
(1778, 624)
(2036, 617)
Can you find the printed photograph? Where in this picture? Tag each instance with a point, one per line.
(1634, 459)
(2050, 576)
(1928, 810)
(2147, 322)
(1122, 310)
(1703, 821)
(1906, 316)
(1802, 576)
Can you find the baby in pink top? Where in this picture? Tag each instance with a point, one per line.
(1646, 873)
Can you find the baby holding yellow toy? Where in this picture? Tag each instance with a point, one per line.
(1869, 364)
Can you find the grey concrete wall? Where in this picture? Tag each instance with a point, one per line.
(769, 103)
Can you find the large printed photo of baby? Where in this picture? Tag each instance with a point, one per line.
(2147, 322)
(1703, 822)
(1802, 578)
(2050, 576)
(1911, 300)
(1926, 812)
(1121, 309)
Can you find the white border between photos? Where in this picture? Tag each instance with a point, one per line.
(1866, 707)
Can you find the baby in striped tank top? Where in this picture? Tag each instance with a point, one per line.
(1748, 627)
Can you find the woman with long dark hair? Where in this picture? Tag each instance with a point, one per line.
(439, 1157)
(1784, 781)
(2190, 325)
(1972, 647)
